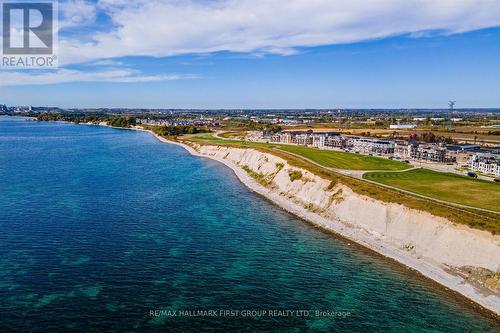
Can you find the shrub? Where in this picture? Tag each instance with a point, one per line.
(331, 185)
(295, 175)
(259, 177)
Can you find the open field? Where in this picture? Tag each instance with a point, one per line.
(343, 160)
(209, 138)
(443, 186)
(461, 134)
(233, 135)
(476, 219)
(327, 158)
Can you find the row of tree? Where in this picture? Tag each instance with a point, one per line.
(428, 137)
(178, 130)
(117, 121)
(122, 121)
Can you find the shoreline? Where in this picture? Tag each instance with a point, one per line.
(453, 283)
(489, 304)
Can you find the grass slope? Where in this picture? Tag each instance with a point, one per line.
(473, 218)
(327, 158)
(444, 186)
(343, 160)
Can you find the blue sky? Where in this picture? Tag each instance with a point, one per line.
(359, 63)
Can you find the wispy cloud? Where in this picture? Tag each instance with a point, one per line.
(96, 33)
(76, 13)
(161, 28)
(106, 63)
(11, 78)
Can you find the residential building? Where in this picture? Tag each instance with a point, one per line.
(335, 141)
(372, 146)
(425, 152)
(486, 163)
(462, 152)
(431, 152)
(320, 139)
(304, 139)
(402, 126)
(404, 149)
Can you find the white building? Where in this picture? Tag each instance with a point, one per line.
(425, 152)
(486, 163)
(402, 126)
(369, 146)
(284, 137)
(326, 139)
(304, 139)
(335, 141)
(318, 140)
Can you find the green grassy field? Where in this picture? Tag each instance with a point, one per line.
(443, 186)
(209, 138)
(476, 219)
(327, 158)
(343, 160)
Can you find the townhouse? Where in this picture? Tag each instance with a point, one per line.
(485, 162)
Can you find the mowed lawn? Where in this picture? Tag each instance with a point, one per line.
(327, 158)
(443, 186)
(343, 160)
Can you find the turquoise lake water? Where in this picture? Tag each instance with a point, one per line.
(99, 227)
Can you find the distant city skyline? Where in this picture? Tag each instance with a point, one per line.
(171, 54)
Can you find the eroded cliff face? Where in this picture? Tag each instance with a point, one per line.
(433, 240)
